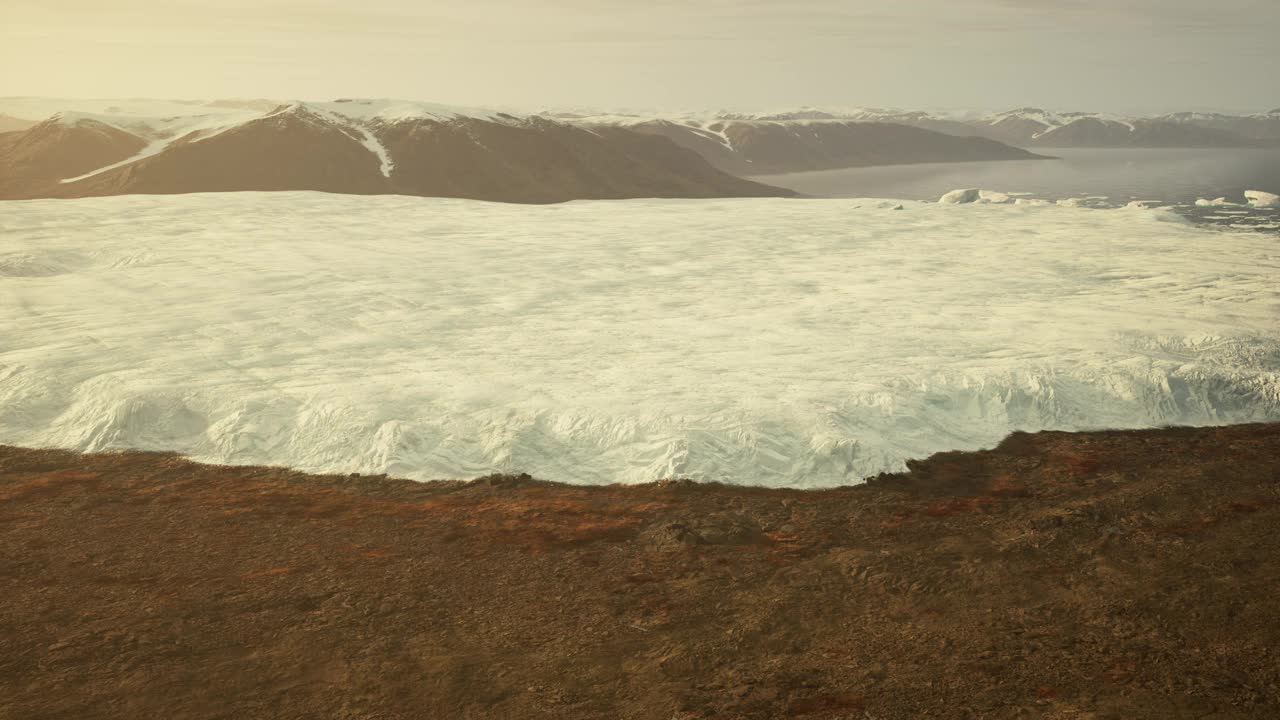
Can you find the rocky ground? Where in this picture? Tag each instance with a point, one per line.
(1097, 575)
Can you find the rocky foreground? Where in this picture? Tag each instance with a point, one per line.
(1096, 575)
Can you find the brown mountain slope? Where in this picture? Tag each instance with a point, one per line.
(293, 149)
(37, 158)
(1037, 128)
(297, 148)
(1012, 129)
(1094, 132)
(1098, 575)
(765, 147)
(537, 160)
(1264, 128)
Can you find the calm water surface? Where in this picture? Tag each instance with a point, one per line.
(1172, 176)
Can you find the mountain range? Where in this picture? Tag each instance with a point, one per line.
(56, 148)
(1038, 128)
(762, 146)
(94, 148)
(358, 147)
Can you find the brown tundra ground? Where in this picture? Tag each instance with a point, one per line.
(1093, 575)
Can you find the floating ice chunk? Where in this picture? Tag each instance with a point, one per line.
(1169, 215)
(974, 195)
(1219, 202)
(961, 197)
(1258, 198)
(1142, 204)
(1085, 202)
(889, 205)
(1031, 201)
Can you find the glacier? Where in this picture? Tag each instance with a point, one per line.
(799, 343)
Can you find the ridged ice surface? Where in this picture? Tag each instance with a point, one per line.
(771, 342)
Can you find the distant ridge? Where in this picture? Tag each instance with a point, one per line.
(811, 141)
(1032, 127)
(9, 123)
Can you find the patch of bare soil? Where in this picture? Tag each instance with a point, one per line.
(1098, 575)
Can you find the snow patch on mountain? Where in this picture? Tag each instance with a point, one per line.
(1030, 114)
(361, 132)
(153, 148)
(370, 141)
(160, 132)
(390, 110)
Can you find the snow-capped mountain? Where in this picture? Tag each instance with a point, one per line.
(59, 148)
(1262, 126)
(818, 139)
(346, 146)
(1035, 127)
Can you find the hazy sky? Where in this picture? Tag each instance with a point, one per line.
(1108, 55)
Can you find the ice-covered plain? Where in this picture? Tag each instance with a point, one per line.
(773, 342)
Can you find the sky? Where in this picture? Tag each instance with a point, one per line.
(1124, 56)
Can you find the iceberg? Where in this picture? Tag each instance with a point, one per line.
(1260, 199)
(974, 195)
(1086, 202)
(992, 197)
(961, 197)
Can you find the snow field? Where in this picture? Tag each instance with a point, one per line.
(770, 342)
